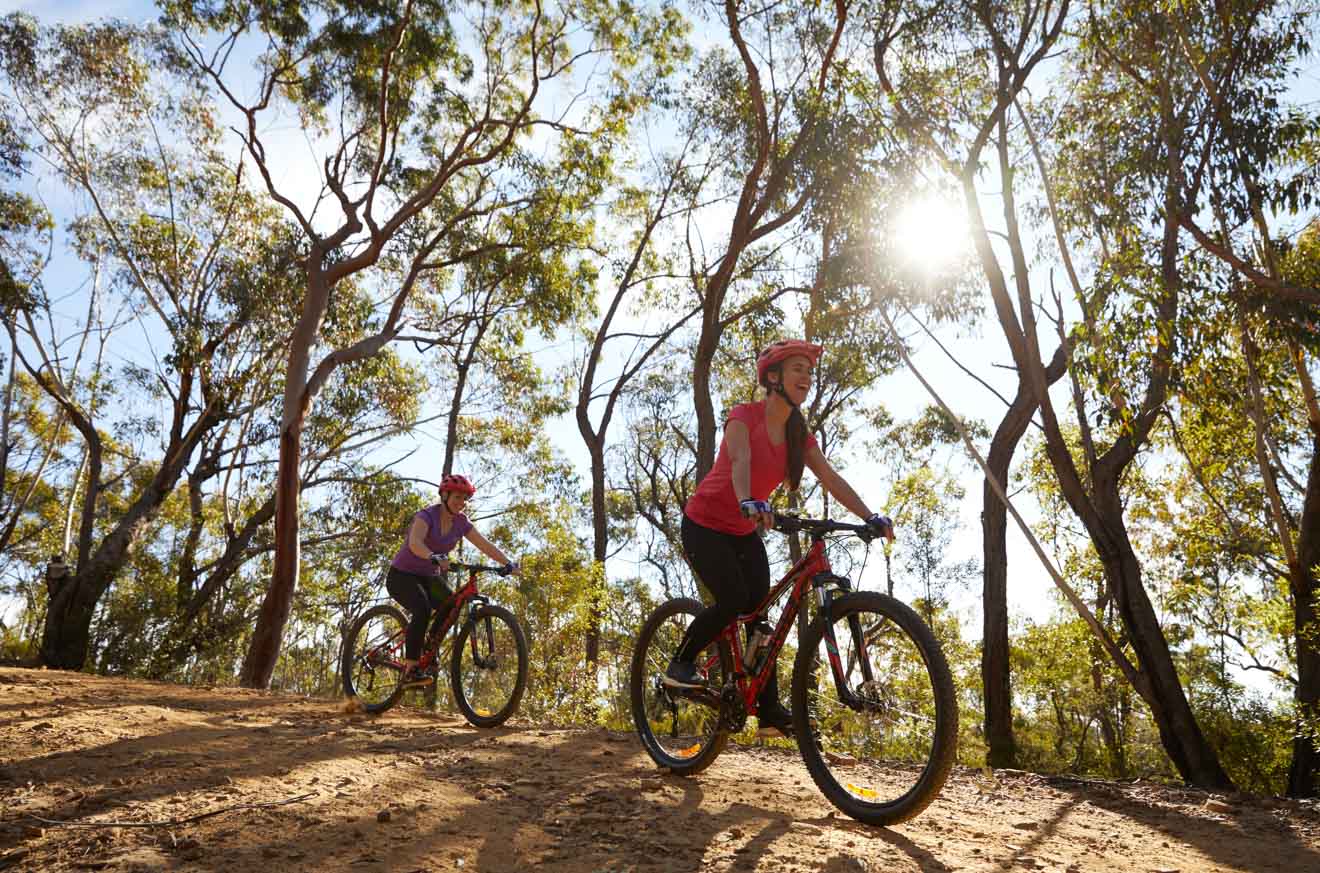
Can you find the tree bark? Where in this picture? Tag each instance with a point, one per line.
(1180, 734)
(264, 650)
(1305, 767)
(995, 677)
(600, 533)
(70, 608)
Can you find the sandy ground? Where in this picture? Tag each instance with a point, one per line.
(414, 792)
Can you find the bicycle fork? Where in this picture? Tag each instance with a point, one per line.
(484, 627)
(826, 596)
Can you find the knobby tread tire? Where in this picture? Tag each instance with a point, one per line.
(945, 746)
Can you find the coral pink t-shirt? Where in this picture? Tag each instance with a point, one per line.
(714, 504)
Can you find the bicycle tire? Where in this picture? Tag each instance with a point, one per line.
(348, 658)
(493, 719)
(944, 743)
(639, 678)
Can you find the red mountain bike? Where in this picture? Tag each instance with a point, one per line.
(487, 663)
(874, 708)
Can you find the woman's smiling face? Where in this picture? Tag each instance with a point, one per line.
(796, 375)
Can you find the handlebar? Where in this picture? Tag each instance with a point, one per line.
(819, 527)
(476, 568)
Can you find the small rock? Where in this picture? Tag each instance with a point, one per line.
(383, 816)
(1166, 870)
(1213, 805)
(1026, 825)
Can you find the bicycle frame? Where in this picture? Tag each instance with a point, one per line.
(466, 595)
(800, 578)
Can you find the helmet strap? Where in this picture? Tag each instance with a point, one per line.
(778, 388)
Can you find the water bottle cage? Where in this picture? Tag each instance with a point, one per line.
(757, 645)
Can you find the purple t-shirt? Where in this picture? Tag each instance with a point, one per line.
(408, 562)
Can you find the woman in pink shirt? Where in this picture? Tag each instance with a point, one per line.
(414, 578)
(764, 443)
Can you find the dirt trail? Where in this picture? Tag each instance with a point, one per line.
(79, 748)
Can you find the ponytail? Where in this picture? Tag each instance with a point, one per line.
(795, 431)
(796, 439)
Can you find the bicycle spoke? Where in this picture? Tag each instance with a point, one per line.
(488, 666)
(875, 737)
(679, 724)
(375, 668)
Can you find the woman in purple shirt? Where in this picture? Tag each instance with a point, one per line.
(414, 579)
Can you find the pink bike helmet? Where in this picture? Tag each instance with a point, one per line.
(456, 483)
(782, 351)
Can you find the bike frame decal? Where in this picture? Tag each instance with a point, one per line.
(795, 583)
(461, 598)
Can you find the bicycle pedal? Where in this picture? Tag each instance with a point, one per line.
(420, 680)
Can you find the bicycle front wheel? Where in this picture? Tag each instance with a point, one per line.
(879, 738)
(680, 730)
(372, 663)
(488, 670)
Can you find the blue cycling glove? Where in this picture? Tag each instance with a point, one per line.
(881, 525)
(751, 508)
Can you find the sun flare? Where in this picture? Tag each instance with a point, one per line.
(931, 233)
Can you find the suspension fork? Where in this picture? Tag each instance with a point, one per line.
(826, 597)
(474, 603)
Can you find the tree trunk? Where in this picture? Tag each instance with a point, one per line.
(1306, 626)
(995, 679)
(73, 602)
(705, 408)
(600, 531)
(1180, 734)
(264, 650)
(5, 406)
(69, 621)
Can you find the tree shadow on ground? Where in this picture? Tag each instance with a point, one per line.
(1234, 840)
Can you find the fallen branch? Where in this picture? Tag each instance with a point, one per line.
(169, 822)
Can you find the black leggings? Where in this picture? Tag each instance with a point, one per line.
(735, 570)
(414, 594)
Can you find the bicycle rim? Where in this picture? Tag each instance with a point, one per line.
(375, 665)
(487, 665)
(881, 748)
(680, 729)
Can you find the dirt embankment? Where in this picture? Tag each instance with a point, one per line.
(412, 792)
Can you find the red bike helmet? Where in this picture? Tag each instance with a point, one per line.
(782, 351)
(459, 484)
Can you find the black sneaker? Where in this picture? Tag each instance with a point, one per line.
(774, 721)
(682, 674)
(414, 678)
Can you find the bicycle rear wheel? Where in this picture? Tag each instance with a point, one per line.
(680, 729)
(372, 663)
(880, 747)
(488, 670)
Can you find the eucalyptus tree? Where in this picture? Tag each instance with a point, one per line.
(1129, 165)
(426, 114)
(765, 111)
(25, 230)
(655, 210)
(173, 234)
(1259, 175)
